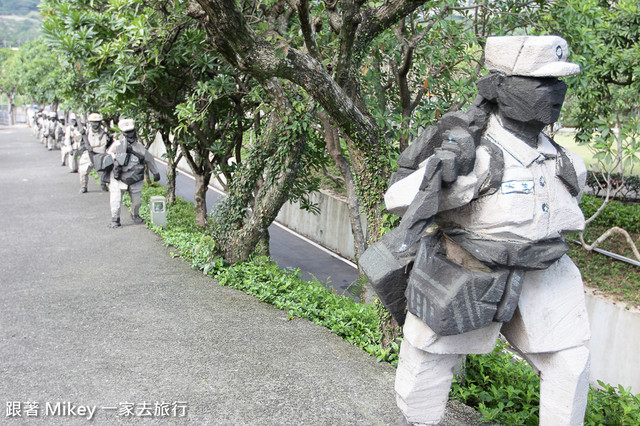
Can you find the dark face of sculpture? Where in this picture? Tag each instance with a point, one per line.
(531, 100)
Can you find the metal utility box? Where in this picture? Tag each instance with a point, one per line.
(159, 211)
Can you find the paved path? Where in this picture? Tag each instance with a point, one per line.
(106, 319)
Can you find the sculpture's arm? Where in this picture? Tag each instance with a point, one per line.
(402, 193)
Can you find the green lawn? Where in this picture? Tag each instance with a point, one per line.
(565, 138)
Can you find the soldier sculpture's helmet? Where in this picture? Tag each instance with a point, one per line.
(126, 124)
(72, 116)
(94, 116)
(529, 56)
(52, 114)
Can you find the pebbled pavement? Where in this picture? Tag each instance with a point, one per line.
(108, 320)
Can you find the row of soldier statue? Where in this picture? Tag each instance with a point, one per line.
(120, 161)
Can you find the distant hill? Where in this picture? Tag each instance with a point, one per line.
(18, 7)
(19, 22)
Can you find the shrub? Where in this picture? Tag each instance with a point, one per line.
(630, 185)
(612, 406)
(626, 216)
(502, 388)
(355, 322)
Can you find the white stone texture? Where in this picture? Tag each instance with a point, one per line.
(564, 385)
(126, 124)
(94, 116)
(422, 384)
(400, 195)
(551, 316)
(421, 336)
(529, 56)
(532, 203)
(551, 312)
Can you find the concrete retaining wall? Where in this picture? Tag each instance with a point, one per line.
(331, 228)
(615, 342)
(157, 149)
(615, 331)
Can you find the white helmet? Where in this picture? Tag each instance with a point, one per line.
(72, 116)
(529, 56)
(126, 124)
(53, 114)
(94, 117)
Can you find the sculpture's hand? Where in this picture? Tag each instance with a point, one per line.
(457, 154)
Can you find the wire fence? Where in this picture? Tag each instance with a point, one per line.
(19, 115)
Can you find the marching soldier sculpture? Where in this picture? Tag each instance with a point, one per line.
(94, 142)
(485, 199)
(128, 158)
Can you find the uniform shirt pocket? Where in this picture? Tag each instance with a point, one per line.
(512, 204)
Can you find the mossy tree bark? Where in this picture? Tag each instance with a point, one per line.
(263, 184)
(335, 90)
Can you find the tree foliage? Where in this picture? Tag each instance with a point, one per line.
(356, 60)
(605, 40)
(371, 74)
(147, 60)
(33, 72)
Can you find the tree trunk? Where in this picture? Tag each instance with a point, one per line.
(171, 181)
(251, 53)
(262, 183)
(270, 199)
(11, 112)
(173, 157)
(332, 139)
(200, 197)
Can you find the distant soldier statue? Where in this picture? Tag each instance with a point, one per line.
(72, 142)
(129, 158)
(60, 142)
(94, 142)
(50, 136)
(486, 199)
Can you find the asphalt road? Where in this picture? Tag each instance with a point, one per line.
(289, 250)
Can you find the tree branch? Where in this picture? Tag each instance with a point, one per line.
(307, 30)
(613, 231)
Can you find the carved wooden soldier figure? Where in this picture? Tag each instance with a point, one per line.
(486, 199)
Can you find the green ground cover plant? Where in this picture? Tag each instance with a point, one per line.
(261, 277)
(499, 385)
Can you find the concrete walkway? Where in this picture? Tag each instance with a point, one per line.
(103, 323)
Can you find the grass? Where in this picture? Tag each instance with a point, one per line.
(565, 138)
(615, 278)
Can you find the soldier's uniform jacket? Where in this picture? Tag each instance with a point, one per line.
(529, 205)
(97, 140)
(45, 127)
(74, 136)
(60, 131)
(134, 166)
(531, 202)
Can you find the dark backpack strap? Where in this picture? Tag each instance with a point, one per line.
(493, 180)
(565, 170)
